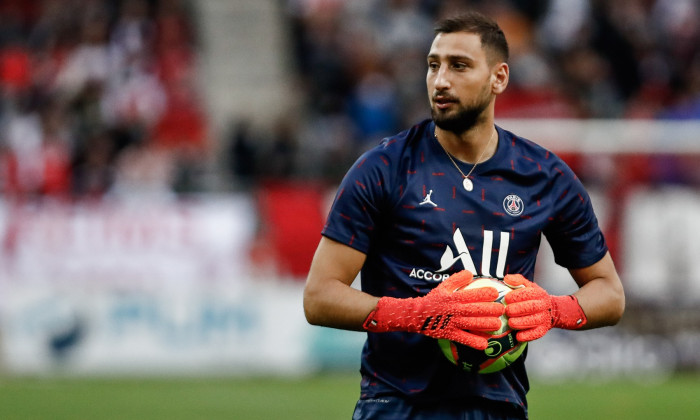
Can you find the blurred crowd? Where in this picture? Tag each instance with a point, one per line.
(98, 97)
(361, 66)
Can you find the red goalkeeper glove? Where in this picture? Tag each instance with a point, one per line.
(533, 311)
(442, 313)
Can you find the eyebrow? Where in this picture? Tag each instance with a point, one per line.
(452, 57)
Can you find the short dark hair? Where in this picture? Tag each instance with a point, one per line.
(492, 37)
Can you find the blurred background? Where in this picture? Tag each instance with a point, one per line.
(166, 167)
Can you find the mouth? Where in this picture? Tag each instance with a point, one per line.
(443, 101)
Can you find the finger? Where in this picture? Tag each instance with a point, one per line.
(480, 294)
(530, 321)
(469, 339)
(527, 307)
(458, 280)
(520, 295)
(485, 324)
(517, 280)
(479, 309)
(531, 334)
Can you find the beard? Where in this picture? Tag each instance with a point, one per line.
(464, 117)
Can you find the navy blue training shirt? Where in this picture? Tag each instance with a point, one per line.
(404, 206)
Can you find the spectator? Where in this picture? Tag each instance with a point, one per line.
(81, 81)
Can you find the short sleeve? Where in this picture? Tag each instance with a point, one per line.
(574, 234)
(359, 201)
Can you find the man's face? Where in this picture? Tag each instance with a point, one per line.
(458, 80)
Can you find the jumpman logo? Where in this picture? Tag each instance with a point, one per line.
(427, 200)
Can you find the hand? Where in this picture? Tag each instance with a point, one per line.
(442, 313)
(534, 312)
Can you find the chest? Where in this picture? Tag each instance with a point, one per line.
(496, 221)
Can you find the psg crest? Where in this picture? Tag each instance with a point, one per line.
(513, 205)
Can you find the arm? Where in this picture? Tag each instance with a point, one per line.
(445, 312)
(328, 298)
(600, 293)
(599, 302)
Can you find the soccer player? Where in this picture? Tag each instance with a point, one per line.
(429, 208)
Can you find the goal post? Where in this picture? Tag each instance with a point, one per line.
(610, 136)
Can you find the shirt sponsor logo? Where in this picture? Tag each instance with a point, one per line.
(419, 273)
(460, 258)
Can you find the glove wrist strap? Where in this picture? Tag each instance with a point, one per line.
(387, 315)
(567, 313)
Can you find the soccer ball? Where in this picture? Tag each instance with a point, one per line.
(503, 348)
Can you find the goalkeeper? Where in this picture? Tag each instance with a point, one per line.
(452, 197)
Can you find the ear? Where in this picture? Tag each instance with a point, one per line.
(499, 78)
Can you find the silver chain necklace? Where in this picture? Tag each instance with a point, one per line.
(466, 182)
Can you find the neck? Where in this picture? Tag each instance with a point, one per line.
(473, 146)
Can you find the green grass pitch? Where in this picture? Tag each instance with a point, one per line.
(325, 397)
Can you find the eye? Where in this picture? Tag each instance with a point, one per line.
(433, 65)
(458, 65)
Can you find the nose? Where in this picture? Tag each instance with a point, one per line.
(442, 81)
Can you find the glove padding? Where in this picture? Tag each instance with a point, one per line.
(533, 311)
(442, 313)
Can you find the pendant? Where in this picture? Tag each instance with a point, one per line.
(467, 184)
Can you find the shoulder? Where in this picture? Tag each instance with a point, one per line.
(396, 150)
(527, 156)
